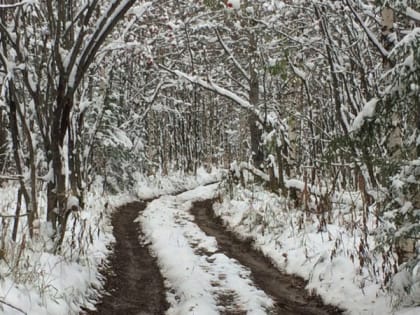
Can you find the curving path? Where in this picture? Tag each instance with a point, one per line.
(135, 285)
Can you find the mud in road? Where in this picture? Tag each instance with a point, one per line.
(134, 285)
(287, 291)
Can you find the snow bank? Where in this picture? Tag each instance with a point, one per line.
(328, 257)
(35, 281)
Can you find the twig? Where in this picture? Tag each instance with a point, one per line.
(11, 177)
(14, 307)
(370, 35)
(18, 177)
(13, 215)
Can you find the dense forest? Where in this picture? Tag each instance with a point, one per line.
(310, 99)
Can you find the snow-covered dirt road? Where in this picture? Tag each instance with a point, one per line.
(173, 257)
(207, 271)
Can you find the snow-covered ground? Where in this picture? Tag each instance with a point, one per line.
(330, 259)
(35, 281)
(196, 275)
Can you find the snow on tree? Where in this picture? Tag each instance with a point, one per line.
(234, 4)
(47, 48)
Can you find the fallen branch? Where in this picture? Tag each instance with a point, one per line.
(13, 215)
(14, 307)
(254, 171)
(11, 177)
(18, 177)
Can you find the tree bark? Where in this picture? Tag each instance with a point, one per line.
(253, 120)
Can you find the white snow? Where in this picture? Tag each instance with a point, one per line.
(72, 203)
(413, 14)
(368, 111)
(196, 274)
(328, 259)
(42, 283)
(234, 4)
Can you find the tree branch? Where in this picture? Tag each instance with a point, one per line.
(14, 307)
(369, 34)
(229, 52)
(211, 86)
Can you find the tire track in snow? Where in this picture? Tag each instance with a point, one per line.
(134, 285)
(199, 278)
(288, 291)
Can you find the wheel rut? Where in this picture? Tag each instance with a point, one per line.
(134, 284)
(288, 291)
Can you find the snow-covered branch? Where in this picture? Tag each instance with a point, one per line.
(15, 5)
(367, 112)
(253, 170)
(13, 307)
(231, 57)
(368, 32)
(211, 86)
(412, 14)
(103, 27)
(10, 37)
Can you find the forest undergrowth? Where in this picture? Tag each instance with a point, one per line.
(35, 278)
(331, 238)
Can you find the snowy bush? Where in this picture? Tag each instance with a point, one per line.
(341, 260)
(40, 282)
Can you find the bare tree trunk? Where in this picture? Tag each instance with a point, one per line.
(3, 141)
(418, 129)
(11, 101)
(387, 29)
(253, 121)
(17, 215)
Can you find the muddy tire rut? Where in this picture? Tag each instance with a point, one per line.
(287, 290)
(134, 285)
